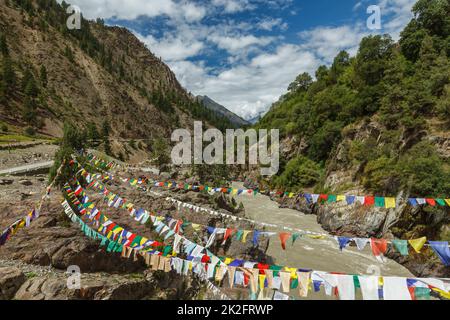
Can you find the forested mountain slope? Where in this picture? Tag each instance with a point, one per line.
(377, 121)
(100, 78)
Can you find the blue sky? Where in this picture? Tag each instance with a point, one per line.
(244, 54)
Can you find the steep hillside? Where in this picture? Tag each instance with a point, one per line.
(234, 119)
(377, 123)
(100, 78)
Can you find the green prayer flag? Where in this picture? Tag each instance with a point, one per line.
(440, 202)
(167, 250)
(239, 234)
(295, 237)
(276, 269)
(379, 202)
(110, 246)
(356, 282)
(136, 241)
(401, 246)
(423, 293)
(332, 198)
(294, 283)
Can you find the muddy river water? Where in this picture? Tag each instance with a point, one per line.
(306, 253)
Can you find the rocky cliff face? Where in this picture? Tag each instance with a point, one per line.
(93, 75)
(346, 177)
(34, 261)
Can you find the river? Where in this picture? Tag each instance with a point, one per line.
(319, 255)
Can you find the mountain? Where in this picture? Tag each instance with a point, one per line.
(254, 120)
(100, 78)
(235, 120)
(374, 124)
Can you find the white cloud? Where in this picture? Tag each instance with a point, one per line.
(326, 42)
(172, 49)
(234, 44)
(132, 9)
(248, 89)
(270, 24)
(233, 6)
(259, 67)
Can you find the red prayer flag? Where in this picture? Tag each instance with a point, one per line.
(323, 197)
(262, 267)
(431, 202)
(228, 233)
(379, 246)
(284, 236)
(369, 201)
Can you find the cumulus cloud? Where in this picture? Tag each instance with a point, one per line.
(255, 69)
(132, 9)
(248, 89)
(270, 24)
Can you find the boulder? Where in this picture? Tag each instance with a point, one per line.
(26, 182)
(11, 279)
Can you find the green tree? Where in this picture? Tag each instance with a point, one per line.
(43, 76)
(73, 140)
(301, 83)
(161, 152)
(300, 172)
(3, 46)
(105, 135)
(8, 76)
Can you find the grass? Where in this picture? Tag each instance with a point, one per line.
(14, 138)
(31, 275)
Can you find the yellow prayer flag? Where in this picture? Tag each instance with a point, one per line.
(291, 195)
(244, 237)
(196, 227)
(317, 237)
(389, 203)
(117, 230)
(340, 198)
(444, 294)
(262, 278)
(293, 272)
(448, 202)
(228, 261)
(417, 244)
(235, 191)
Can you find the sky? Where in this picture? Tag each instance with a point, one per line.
(244, 53)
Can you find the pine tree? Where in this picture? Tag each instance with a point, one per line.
(3, 46)
(29, 110)
(31, 89)
(43, 76)
(8, 76)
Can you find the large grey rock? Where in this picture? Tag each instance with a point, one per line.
(10, 281)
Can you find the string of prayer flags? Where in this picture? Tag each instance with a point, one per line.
(30, 216)
(241, 235)
(384, 202)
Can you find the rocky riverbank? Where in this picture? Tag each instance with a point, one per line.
(34, 261)
(404, 222)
